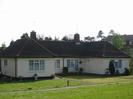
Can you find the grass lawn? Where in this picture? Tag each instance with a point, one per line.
(34, 85)
(100, 79)
(114, 91)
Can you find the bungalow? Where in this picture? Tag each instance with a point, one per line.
(28, 57)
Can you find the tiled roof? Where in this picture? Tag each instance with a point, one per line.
(35, 48)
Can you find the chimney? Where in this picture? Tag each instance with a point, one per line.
(76, 37)
(33, 35)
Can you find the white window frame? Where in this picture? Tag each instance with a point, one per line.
(42, 65)
(57, 64)
(73, 63)
(118, 64)
(36, 65)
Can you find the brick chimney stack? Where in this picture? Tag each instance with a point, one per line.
(76, 37)
(33, 35)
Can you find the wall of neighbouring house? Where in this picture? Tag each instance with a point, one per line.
(23, 67)
(99, 65)
(8, 69)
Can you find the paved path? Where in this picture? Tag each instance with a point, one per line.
(62, 88)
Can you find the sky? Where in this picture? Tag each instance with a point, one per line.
(64, 17)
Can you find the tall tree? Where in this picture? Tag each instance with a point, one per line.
(112, 32)
(117, 41)
(48, 39)
(25, 36)
(3, 46)
(65, 38)
(56, 38)
(101, 35)
(40, 37)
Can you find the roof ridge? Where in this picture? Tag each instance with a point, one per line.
(44, 48)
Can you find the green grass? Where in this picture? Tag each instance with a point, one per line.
(115, 91)
(57, 83)
(34, 85)
(100, 79)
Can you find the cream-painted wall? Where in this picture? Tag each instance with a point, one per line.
(89, 65)
(9, 69)
(23, 67)
(99, 65)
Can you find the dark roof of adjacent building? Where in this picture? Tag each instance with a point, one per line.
(25, 48)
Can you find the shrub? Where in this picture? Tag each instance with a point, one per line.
(65, 70)
(126, 72)
(80, 70)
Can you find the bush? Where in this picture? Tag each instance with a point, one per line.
(65, 70)
(126, 72)
(80, 70)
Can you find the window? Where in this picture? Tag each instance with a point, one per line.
(36, 62)
(42, 65)
(5, 63)
(57, 64)
(72, 63)
(31, 65)
(68, 63)
(76, 64)
(36, 65)
(118, 64)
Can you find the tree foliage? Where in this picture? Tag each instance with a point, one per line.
(3, 46)
(48, 39)
(101, 35)
(25, 36)
(89, 39)
(117, 41)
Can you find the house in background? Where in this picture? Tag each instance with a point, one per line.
(127, 40)
(28, 57)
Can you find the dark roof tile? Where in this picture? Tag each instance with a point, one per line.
(32, 48)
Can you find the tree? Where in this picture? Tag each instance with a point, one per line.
(112, 32)
(65, 38)
(12, 42)
(100, 35)
(48, 39)
(25, 36)
(89, 39)
(3, 46)
(56, 38)
(117, 41)
(40, 37)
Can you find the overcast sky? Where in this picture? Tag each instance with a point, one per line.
(64, 17)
